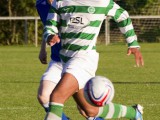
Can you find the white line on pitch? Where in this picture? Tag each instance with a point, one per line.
(15, 108)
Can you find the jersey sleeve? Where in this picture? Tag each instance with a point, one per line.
(121, 17)
(52, 22)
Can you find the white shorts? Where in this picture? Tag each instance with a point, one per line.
(82, 66)
(53, 72)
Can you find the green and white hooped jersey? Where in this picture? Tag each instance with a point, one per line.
(78, 22)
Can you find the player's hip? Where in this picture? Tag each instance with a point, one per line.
(82, 66)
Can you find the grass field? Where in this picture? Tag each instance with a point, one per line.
(20, 71)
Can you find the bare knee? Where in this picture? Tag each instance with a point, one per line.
(88, 112)
(84, 107)
(91, 112)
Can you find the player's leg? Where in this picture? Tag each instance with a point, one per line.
(48, 82)
(74, 77)
(64, 89)
(45, 89)
(67, 87)
(109, 111)
(82, 112)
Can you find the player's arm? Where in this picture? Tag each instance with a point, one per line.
(43, 53)
(42, 11)
(121, 17)
(51, 28)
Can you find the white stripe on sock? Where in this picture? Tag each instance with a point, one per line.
(54, 103)
(111, 111)
(123, 111)
(51, 116)
(100, 111)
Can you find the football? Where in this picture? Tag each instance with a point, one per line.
(99, 91)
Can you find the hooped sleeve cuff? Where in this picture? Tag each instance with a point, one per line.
(133, 44)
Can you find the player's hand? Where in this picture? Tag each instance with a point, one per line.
(138, 56)
(43, 56)
(53, 39)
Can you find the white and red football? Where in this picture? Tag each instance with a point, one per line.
(99, 91)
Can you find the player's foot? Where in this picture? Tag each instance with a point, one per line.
(64, 117)
(139, 112)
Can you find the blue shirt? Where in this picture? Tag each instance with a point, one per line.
(43, 8)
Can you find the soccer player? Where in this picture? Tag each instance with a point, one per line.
(78, 22)
(53, 73)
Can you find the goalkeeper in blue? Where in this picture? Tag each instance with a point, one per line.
(53, 73)
(78, 23)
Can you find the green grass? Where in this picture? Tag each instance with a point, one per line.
(20, 71)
